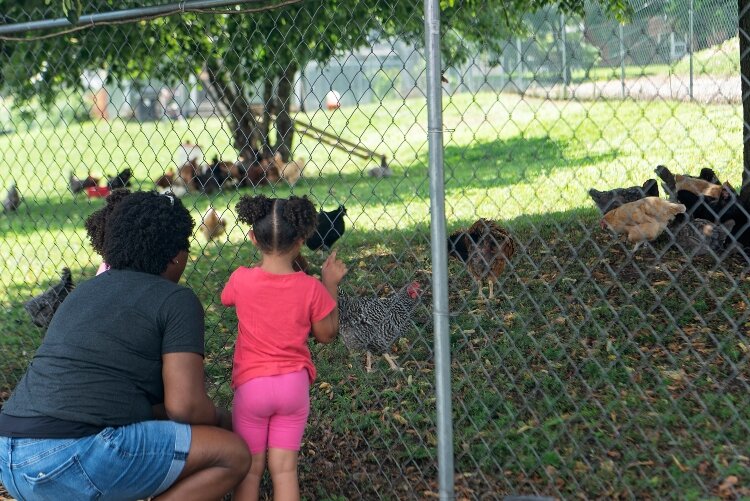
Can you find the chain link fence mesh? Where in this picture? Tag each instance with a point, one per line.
(586, 370)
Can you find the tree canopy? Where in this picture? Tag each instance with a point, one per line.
(247, 54)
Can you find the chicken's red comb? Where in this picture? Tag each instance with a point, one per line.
(413, 289)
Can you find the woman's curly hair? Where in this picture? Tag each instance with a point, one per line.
(96, 223)
(145, 231)
(277, 222)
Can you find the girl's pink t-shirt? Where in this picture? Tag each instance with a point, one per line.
(275, 314)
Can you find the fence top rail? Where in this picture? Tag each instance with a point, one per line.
(125, 15)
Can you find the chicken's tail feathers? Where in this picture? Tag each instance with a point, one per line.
(65, 274)
(708, 174)
(66, 279)
(665, 175)
(650, 188)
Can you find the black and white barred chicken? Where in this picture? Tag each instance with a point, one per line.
(373, 324)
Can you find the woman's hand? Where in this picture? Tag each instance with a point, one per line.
(332, 271)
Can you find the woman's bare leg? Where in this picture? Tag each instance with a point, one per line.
(218, 460)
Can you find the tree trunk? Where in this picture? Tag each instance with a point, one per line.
(246, 140)
(245, 129)
(744, 25)
(284, 124)
(265, 125)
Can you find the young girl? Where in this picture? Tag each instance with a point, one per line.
(96, 224)
(277, 308)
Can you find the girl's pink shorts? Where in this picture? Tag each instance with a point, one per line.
(271, 412)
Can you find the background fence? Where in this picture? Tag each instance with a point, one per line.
(593, 371)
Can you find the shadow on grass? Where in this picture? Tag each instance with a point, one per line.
(507, 162)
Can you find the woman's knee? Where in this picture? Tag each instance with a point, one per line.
(238, 456)
(214, 447)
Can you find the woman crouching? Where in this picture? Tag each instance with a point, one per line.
(113, 405)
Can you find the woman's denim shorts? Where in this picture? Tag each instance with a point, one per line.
(131, 462)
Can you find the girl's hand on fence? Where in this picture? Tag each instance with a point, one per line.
(332, 271)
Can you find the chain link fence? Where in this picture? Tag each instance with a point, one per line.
(585, 369)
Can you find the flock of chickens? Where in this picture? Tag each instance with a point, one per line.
(701, 213)
(194, 175)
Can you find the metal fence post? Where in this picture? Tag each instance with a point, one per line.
(622, 60)
(439, 250)
(564, 57)
(519, 60)
(690, 49)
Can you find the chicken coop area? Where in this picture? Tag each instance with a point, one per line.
(597, 231)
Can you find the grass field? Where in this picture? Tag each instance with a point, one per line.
(593, 372)
(720, 61)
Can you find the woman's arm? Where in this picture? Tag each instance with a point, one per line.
(185, 398)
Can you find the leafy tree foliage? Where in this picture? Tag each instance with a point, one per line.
(246, 54)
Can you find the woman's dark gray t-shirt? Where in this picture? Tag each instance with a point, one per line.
(100, 362)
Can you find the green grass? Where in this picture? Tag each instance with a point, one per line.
(720, 61)
(592, 372)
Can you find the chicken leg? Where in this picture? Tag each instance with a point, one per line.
(368, 366)
(490, 283)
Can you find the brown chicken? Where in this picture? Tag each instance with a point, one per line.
(165, 181)
(670, 180)
(485, 248)
(697, 186)
(289, 171)
(212, 225)
(642, 220)
(188, 173)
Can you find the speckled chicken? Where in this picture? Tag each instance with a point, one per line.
(485, 247)
(696, 237)
(373, 324)
(42, 308)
